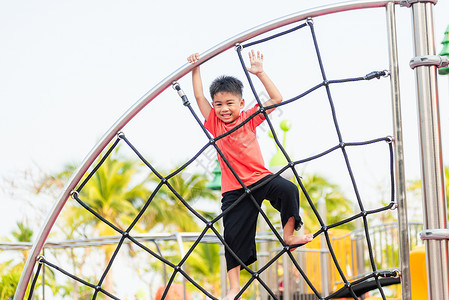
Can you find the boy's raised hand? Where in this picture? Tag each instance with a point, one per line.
(256, 61)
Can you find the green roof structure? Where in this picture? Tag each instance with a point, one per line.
(215, 184)
(445, 51)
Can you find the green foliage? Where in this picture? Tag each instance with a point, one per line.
(118, 191)
(23, 233)
(337, 205)
(9, 271)
(111, 193)
(70, 288)
(205, 261)
(8, 284)
(167, 209)
(9, 279)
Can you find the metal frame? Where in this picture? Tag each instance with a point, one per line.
(399, 155)
(435, 234)
(185, 69)
(432, 172)
(429, 60)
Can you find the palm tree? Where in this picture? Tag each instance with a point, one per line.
(337, 205)
(23, 234)
(318, 186)
(10, 272)
(117, 192)
(110, 192)
(9, 278)
(204, 262)
(168, 210)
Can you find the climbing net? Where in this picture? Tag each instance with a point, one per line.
(348, 288)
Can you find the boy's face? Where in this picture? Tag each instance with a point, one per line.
(227, 106)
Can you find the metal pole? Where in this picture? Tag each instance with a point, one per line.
(359, 246)
(223, 273)
(43, 276)
(223, 267)
(182, 253)
(404, 250)
(433, 190)
(286, 294)
(263, 256)
(324, 251)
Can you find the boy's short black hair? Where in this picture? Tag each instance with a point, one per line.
(227, 84)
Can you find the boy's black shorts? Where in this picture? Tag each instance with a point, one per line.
(241, 221)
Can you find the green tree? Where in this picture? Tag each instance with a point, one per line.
(9, 278)
(70, 226)
(110, 192)
(204, 262)
(337, 205)
(118, 191)
(11, 270)
(23, 233)
(168, 210)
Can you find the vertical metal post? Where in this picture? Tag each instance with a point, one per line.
(223, 273)
(263, 257)
(43, 276)
(404, 250)
(223, 269)
(433, 190)
(286, 294)
(324, 251)
(182, 253)
(359, 245)
(272, 283)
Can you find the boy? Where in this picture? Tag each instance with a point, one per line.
(242, 151)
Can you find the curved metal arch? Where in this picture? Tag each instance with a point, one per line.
(153, 93)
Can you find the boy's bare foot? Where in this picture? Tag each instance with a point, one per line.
(231, 295)
(298, 240)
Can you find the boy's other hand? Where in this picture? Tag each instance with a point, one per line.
(256, 61)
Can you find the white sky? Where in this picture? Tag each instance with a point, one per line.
(69, 69)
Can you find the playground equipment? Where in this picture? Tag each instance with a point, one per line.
(425, 65)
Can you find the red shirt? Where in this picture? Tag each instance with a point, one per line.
(240, 148)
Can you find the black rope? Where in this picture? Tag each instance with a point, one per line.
(349, 287)
(111, 261)
(33, 284)
(102, 160)
(274, 36)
